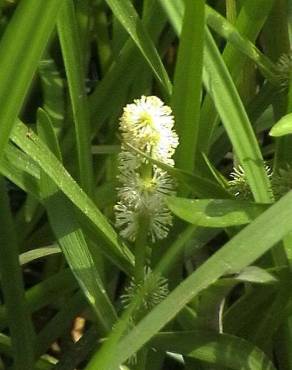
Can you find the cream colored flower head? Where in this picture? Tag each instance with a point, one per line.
(147, 124)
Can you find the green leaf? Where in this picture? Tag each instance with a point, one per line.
(227, 30)
(53, 89)
(255, 274)
(186, 97)
(30, 143)
(200, 186)
(243, 249)
(219, 349)
(21, 47)
(215, 212)
(233, 115)
(21, 170)
(112, 91)
(282, 127)
(71, 49)
(38, 253)
(126, 14)
(19, 319)
(70, 236)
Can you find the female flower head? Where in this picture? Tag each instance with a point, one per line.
(147, 125)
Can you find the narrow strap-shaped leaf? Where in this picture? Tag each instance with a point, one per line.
(227, 30)
(234, 117)
(242, 250)
(71, 50)
(31, 144)
(249, 23)
(70, 236)
(126, 14)
(20, 324)
(186, 97)
(215, 212)
(218, 349)
(38, 253)
(53, 89)
(21, 47)
(199, 185)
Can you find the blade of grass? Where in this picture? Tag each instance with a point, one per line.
(126, 14)
(276, 43)
(20, 323)
(70, 236)
(218, 349)
(249, 23)
(233, 115)
(24, 40)
(243, 249)
(38, 253)
(113, 87)
(20, 173)
(71, 50)
(35, 148)
(200, 186)
(230, 33)
(215, 212)
(186, 96)
(53, 92)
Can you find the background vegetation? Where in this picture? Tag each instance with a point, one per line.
(67, 69)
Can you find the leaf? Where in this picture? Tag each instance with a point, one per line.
(30, 143)
(282, 127)
(12, 285)
(70, 236)
(221, 87)
(218, 349)
(126, 14)
(186, 97)
(21, 47)
(227, 30)
(255, 274)
(215, 212)
(243, 249)
(71, 50)
(199, 185)
(38, 253)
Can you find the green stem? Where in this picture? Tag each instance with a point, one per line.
(231, 11)
(141, 248)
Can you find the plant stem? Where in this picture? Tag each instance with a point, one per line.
(141, 248)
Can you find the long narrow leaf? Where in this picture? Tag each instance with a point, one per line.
(218, 349)
(20, 323)
(233, 115)
(126, 14)
(34, 147)
(70, 236)
(186, 97)
(24, 40)
(247, 246)
(71, 49)
(215, 212)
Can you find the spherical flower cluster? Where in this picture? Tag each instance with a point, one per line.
(239, 186)
(147, 125)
